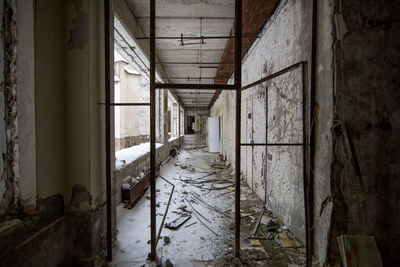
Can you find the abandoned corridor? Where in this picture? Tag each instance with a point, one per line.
(203, 200)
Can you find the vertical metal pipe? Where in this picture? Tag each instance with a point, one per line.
(107, 55)
(306, 169)
(238, 84)
(310, 181)
(152, 130)
(266, 147)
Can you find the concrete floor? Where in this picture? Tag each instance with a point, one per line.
(206, 239)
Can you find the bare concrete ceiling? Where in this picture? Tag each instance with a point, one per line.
(206, 61)
(255, 14)
(190, 18)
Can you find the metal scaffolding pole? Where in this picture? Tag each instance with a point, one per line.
(153, 130)
(154, 86)
(107, 47)
(308, 207)
(238, 85)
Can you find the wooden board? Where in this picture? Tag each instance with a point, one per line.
(137, 190)
(175, 224)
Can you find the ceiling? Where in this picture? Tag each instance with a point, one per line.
(199, 61)
(190, 18)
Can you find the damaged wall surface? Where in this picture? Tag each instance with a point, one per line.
(26, 103)
(225, 103)
(69, 83)
(2, 105)
(11, 198)
(367, 132)
(323, 165)
(285, 40)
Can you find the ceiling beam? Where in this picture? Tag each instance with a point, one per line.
(177, 17)
(193, 93)
(194, 37)
(255, 15)
(194, 86)
(192, 63)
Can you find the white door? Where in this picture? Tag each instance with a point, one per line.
(213, 134)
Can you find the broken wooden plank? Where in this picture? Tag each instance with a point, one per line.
(257, 224)
(175, 224)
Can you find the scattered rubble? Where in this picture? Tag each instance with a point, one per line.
(207, 193)
(167, 240)
(168, 263)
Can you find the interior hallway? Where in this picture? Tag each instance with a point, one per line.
(205, 195)
(311, 88)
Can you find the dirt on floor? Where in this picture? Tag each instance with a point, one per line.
(199, 226)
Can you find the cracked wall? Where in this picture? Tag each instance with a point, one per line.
(2, 104)
(26, 103)
(12, 196)
(276, 175)
(323, 165)
(367, 131)
(70, 123)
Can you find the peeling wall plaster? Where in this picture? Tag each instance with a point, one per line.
(285, 40)
(26, 103)
(367, 102)
(12, 196)
(2, 107)
(323, 148)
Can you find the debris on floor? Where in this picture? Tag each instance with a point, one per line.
(285, 241)
(190, 224)
(203, 203)
(219, 166)
(168, 263)
(175, 224)
(167, 240)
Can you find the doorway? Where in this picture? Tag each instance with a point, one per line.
(191, 124)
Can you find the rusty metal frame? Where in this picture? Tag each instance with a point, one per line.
(192, 63)
(238, 85)
(271, 144)
(274, 75)
(166, 210)
(154, 86)
(194, 86)
(125, 104)
(107, 47)
(305, 144)
(196, 37)
(307, 151)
